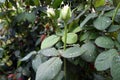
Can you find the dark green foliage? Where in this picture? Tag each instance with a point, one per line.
(38, 42)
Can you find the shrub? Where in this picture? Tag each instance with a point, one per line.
(59, 39)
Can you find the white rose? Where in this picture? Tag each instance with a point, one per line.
(50, 12)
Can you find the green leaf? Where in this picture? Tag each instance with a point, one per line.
(98, 3)
(49, 69)
(72, 52)
(84, 36)
(36, 62)
(1, 52)
(93, 35)
(43, 58)
(104, 59)
(89, 35)
(109, 13)
(101, 23)
(115, 68)
(28, 56)
(90, 52)
(59, 76)
(8, 4)
(71, 38)
(56, 3)
(30, 17)
(59, 44)
(118, 37)
(117, 45)
(50, 41)
(38, 42)
(37, 2)
(90, 16)
(114, 28)
(76, 29)
(20, 17)
(104, 42)
(50, 52)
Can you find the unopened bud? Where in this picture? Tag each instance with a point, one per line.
(65, 13)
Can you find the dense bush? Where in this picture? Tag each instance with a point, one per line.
(59, 39)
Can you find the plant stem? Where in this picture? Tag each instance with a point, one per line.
(65, 69)
(114, 14)
(65, 40)
(65, 34)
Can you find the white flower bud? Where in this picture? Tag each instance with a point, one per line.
(50, 12)
(65, 13)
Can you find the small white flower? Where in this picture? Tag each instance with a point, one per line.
(50, 12)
